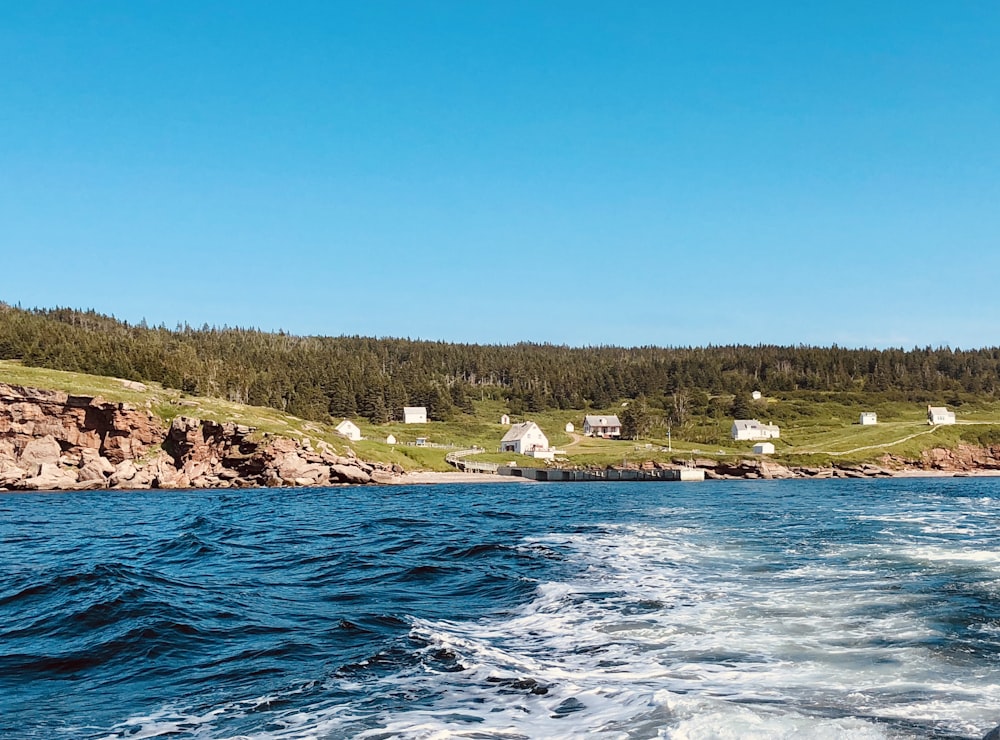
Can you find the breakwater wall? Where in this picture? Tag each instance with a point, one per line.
(560, 475)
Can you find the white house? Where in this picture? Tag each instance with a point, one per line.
(414, 415)
(752, 430)
(763, 448)
(602, 426)
(524, 438)
(868, 418)
(349, 429)
(570, 427)
(756, 395)
(505, 420)
(391, 439)
(940, 415)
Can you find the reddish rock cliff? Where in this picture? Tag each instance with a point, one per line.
(52, 440)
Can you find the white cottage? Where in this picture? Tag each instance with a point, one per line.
(602, 426)
(524, 438)
(349, 429)
(868, 418)
(763, 448)
(940, 415)
(752, 430)
(414, 415)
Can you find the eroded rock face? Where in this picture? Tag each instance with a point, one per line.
(51, 441)
(962, 458)
(117, 431)
(43, 451)
(49, 477)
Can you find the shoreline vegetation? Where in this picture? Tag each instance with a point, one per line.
(61, 439)
(215, 407)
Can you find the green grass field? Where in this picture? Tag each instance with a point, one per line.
(816, 429)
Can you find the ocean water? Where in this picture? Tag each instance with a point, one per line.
(757, 609)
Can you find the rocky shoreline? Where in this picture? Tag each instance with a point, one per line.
(961, 460)
(50, 440)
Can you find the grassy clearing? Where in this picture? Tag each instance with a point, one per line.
(816, 429)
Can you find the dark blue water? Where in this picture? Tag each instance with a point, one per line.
(729, 609)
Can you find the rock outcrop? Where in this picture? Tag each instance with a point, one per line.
(766, 469)
(56, 441)
(964, 458)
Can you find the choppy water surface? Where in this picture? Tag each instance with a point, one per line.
(827, 609)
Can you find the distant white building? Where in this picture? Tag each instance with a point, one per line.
(756, 395)
(349, 429)
(868, 418)
(570, 427)
(940, 415)
(414, 415)
(390, 440)
(763, 448)
(505, 420)
(602, 426)
(752, 430)
(524, 439)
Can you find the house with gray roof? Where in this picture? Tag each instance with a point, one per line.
(595, 425)
(524, 438)
(753, 430)
(940, 415)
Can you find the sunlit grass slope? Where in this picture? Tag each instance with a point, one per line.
(816, 429)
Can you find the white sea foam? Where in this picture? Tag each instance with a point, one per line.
(641, 632)
(674, 633)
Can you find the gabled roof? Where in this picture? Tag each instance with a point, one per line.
(937, 410)
(753, 424)
(346, 424)
(602, 421)
(519, 431)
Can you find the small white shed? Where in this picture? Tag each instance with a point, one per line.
(763, 448)
(570, 427)
(414, 415)
(390, 440)
(868, 418)
(349, 429)
(940, 415)
(505, 420)
(756, 395)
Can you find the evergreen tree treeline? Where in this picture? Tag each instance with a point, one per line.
(316, 377)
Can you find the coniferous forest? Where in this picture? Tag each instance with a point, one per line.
(319, 377)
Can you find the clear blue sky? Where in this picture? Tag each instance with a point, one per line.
(573, 172)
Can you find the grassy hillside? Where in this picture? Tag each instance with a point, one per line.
(816, 428)
(167, 403)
